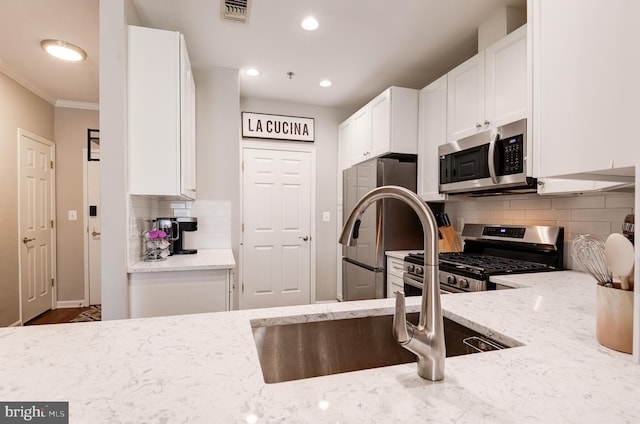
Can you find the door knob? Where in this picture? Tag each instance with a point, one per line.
(305, 238)
(27, 240)
(95, 233)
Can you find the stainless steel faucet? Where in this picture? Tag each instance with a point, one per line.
(425, 340)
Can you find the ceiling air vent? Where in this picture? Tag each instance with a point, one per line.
(235, 10)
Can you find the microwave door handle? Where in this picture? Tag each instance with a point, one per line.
(492, 158)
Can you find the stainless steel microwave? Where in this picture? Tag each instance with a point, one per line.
(490, 161)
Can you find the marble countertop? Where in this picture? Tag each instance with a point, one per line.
(204, 368)
(203, 260)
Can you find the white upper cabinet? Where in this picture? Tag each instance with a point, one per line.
(506, 79)
(585, 79)
(361, 145)
(387, 124)
(465, 102)
(187, 125)
(161, 110)
(345, 144)
(490, 89)
(432, 132)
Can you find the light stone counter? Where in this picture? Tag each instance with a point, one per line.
(204, 368)
(400, 254)
(205, 259)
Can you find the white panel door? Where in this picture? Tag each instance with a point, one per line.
(276, 264)
(93, 221)
(36, 222)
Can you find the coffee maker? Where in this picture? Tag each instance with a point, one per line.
(175, 228)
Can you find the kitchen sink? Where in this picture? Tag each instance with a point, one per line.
(311, 349)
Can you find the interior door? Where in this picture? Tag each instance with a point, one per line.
(276, 264)
(93, 227)
(37, 252)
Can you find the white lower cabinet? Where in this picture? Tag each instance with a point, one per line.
(394, 276)
(154, 294)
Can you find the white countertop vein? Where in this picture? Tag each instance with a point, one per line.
(204, 368)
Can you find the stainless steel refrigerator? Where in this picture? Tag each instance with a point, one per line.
(388, 225)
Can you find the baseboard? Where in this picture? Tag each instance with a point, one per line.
(70, 304)
(16, 324)
(326, 301)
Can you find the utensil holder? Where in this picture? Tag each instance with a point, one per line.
(614, 319)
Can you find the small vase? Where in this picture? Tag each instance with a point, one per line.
(155, 251)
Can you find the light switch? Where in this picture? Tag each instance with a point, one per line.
(326, 216)
(73, 215)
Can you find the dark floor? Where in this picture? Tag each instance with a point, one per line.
(56, 316)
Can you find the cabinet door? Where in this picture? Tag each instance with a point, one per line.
(154, 112)
(432, 132)
(187, 125)
(361, 135)
(381, 124)
(506, 79)
(345, 145)
(585, 97)
(465, 99)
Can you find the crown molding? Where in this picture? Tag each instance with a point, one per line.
(77, 105)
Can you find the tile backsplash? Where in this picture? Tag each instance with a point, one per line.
(599, 214)
(214, 222)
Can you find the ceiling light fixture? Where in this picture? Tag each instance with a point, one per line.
(252, 72)
(325, 83)
(310, 23)
(63, 50)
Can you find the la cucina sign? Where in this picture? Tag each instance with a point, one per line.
(276, 127)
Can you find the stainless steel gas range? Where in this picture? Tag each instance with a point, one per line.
(490, 250)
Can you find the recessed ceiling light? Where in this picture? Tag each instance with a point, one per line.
(325, 83)
(252, 72)
(63, 50)
(310, 23)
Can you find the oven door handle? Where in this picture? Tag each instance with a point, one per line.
(408, 279)
(491, 160)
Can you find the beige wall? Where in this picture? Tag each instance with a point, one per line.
(19, 108)
(71, 137)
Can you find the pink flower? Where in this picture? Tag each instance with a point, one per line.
(157, 234)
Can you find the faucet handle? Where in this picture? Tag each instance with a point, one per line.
(400, 332)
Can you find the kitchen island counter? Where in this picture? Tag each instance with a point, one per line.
(204, 368)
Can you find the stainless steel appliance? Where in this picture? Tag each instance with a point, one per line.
(175, 228)
(390, 225)
(490, 250)
(490, 161)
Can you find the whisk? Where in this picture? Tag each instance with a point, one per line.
(588, 253)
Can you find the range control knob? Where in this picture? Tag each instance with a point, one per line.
(464, 283)
(419, 270)
(410, 268)
(451, 280)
